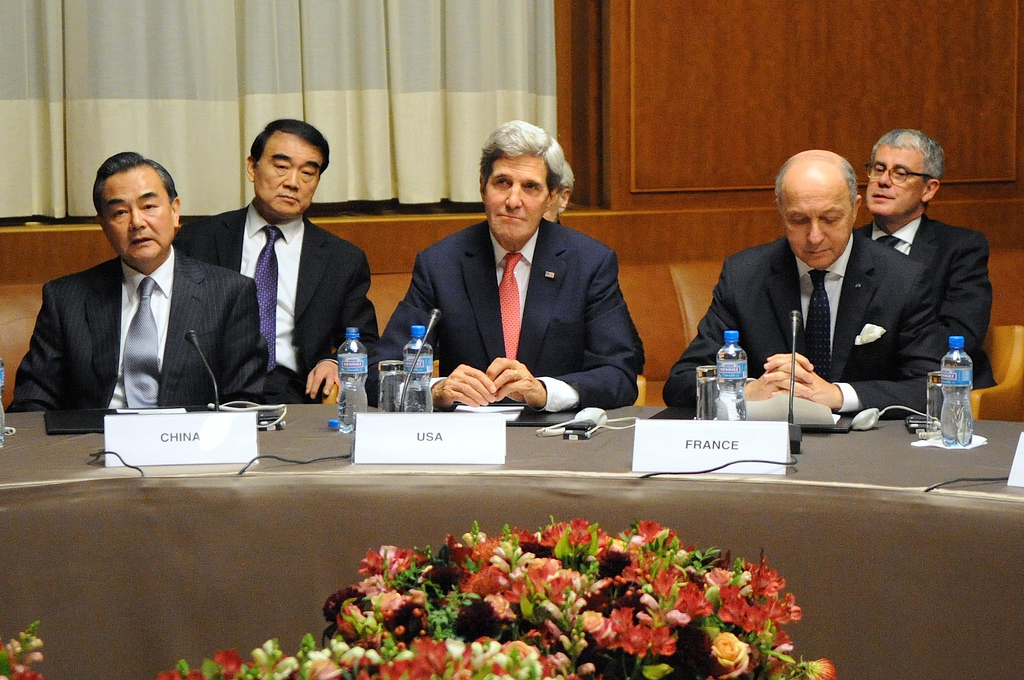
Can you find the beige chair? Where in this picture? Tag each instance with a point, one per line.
(1004, 401)
(694, 283)
(19, 306)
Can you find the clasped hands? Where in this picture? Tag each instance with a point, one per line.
(503, 378)
(808, 385)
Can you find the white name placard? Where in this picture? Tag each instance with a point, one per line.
(1017, 468)
(430, 439)
(180, 438)
(695, 445)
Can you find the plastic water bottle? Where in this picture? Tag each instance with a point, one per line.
(3, 418)
(957, 379)
(418, 398)
(352, 376)
(731, 366)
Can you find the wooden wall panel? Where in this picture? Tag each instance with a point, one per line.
(709, 97)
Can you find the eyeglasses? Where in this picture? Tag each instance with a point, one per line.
(897, 174)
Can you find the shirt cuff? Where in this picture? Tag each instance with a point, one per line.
(561, 396)
(851, 402)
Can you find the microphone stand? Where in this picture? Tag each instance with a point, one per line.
(435, 316)
(193, 338)
(795, 433)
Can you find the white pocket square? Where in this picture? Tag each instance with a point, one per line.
(869, 334)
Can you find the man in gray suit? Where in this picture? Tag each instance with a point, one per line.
(115, 335)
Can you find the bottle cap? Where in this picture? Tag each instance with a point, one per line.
(352, 332)
(419, 331)
(732, 336)
(333, 424)
(956, 342)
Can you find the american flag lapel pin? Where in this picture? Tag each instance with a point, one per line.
(549, 275)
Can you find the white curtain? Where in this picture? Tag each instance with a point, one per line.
(406, 92)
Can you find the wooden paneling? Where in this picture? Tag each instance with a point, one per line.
(713, 97)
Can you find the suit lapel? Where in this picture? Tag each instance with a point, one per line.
(924, 246)
(547, 275)
(103, 319)
(784, 292)
(186, 303)
(481, 281)
(858, 289)
(311, 267)
(229, 240)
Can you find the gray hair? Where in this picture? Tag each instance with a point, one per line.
(903, 138)
(567, 177)
(519, 138)
(849, 176)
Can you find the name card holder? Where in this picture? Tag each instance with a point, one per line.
(180, 438)
(1017, 468)
(695, 445)
(429, 439)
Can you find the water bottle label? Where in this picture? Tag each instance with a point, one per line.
(956, 377)
(423, 365)
(732, 370)
(353, 363)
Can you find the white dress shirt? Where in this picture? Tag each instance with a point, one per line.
(160, 304)
(905, 234)
(561, 396)
(834, 288)
(288, 249)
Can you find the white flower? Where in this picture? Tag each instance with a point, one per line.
(869, 334)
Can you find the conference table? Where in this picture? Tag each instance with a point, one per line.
(128, 574)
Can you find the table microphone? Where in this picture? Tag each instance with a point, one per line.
(795, 433)
(435, 316)
(193, 339)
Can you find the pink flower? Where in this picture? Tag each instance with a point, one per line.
(718, 577)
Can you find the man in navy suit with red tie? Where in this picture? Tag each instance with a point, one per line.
(531, 310)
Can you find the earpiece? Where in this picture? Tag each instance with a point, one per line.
(593, 414)
(868, 418)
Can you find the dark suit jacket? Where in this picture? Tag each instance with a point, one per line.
(334, 277)
(758, 289)
(957, 260)
(576, 326)
(72, 360)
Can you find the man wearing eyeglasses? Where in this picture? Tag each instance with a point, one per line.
(903, 176)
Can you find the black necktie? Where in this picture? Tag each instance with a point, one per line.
(890, 240)
(818, 331)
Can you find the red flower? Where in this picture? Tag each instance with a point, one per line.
(691, 601)
(457, 552)
(488, 581)
(230, 661)
(764, 580)
(736, 609)
(648, 532)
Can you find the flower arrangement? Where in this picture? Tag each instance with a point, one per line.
(568, 602)
(17, 655)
